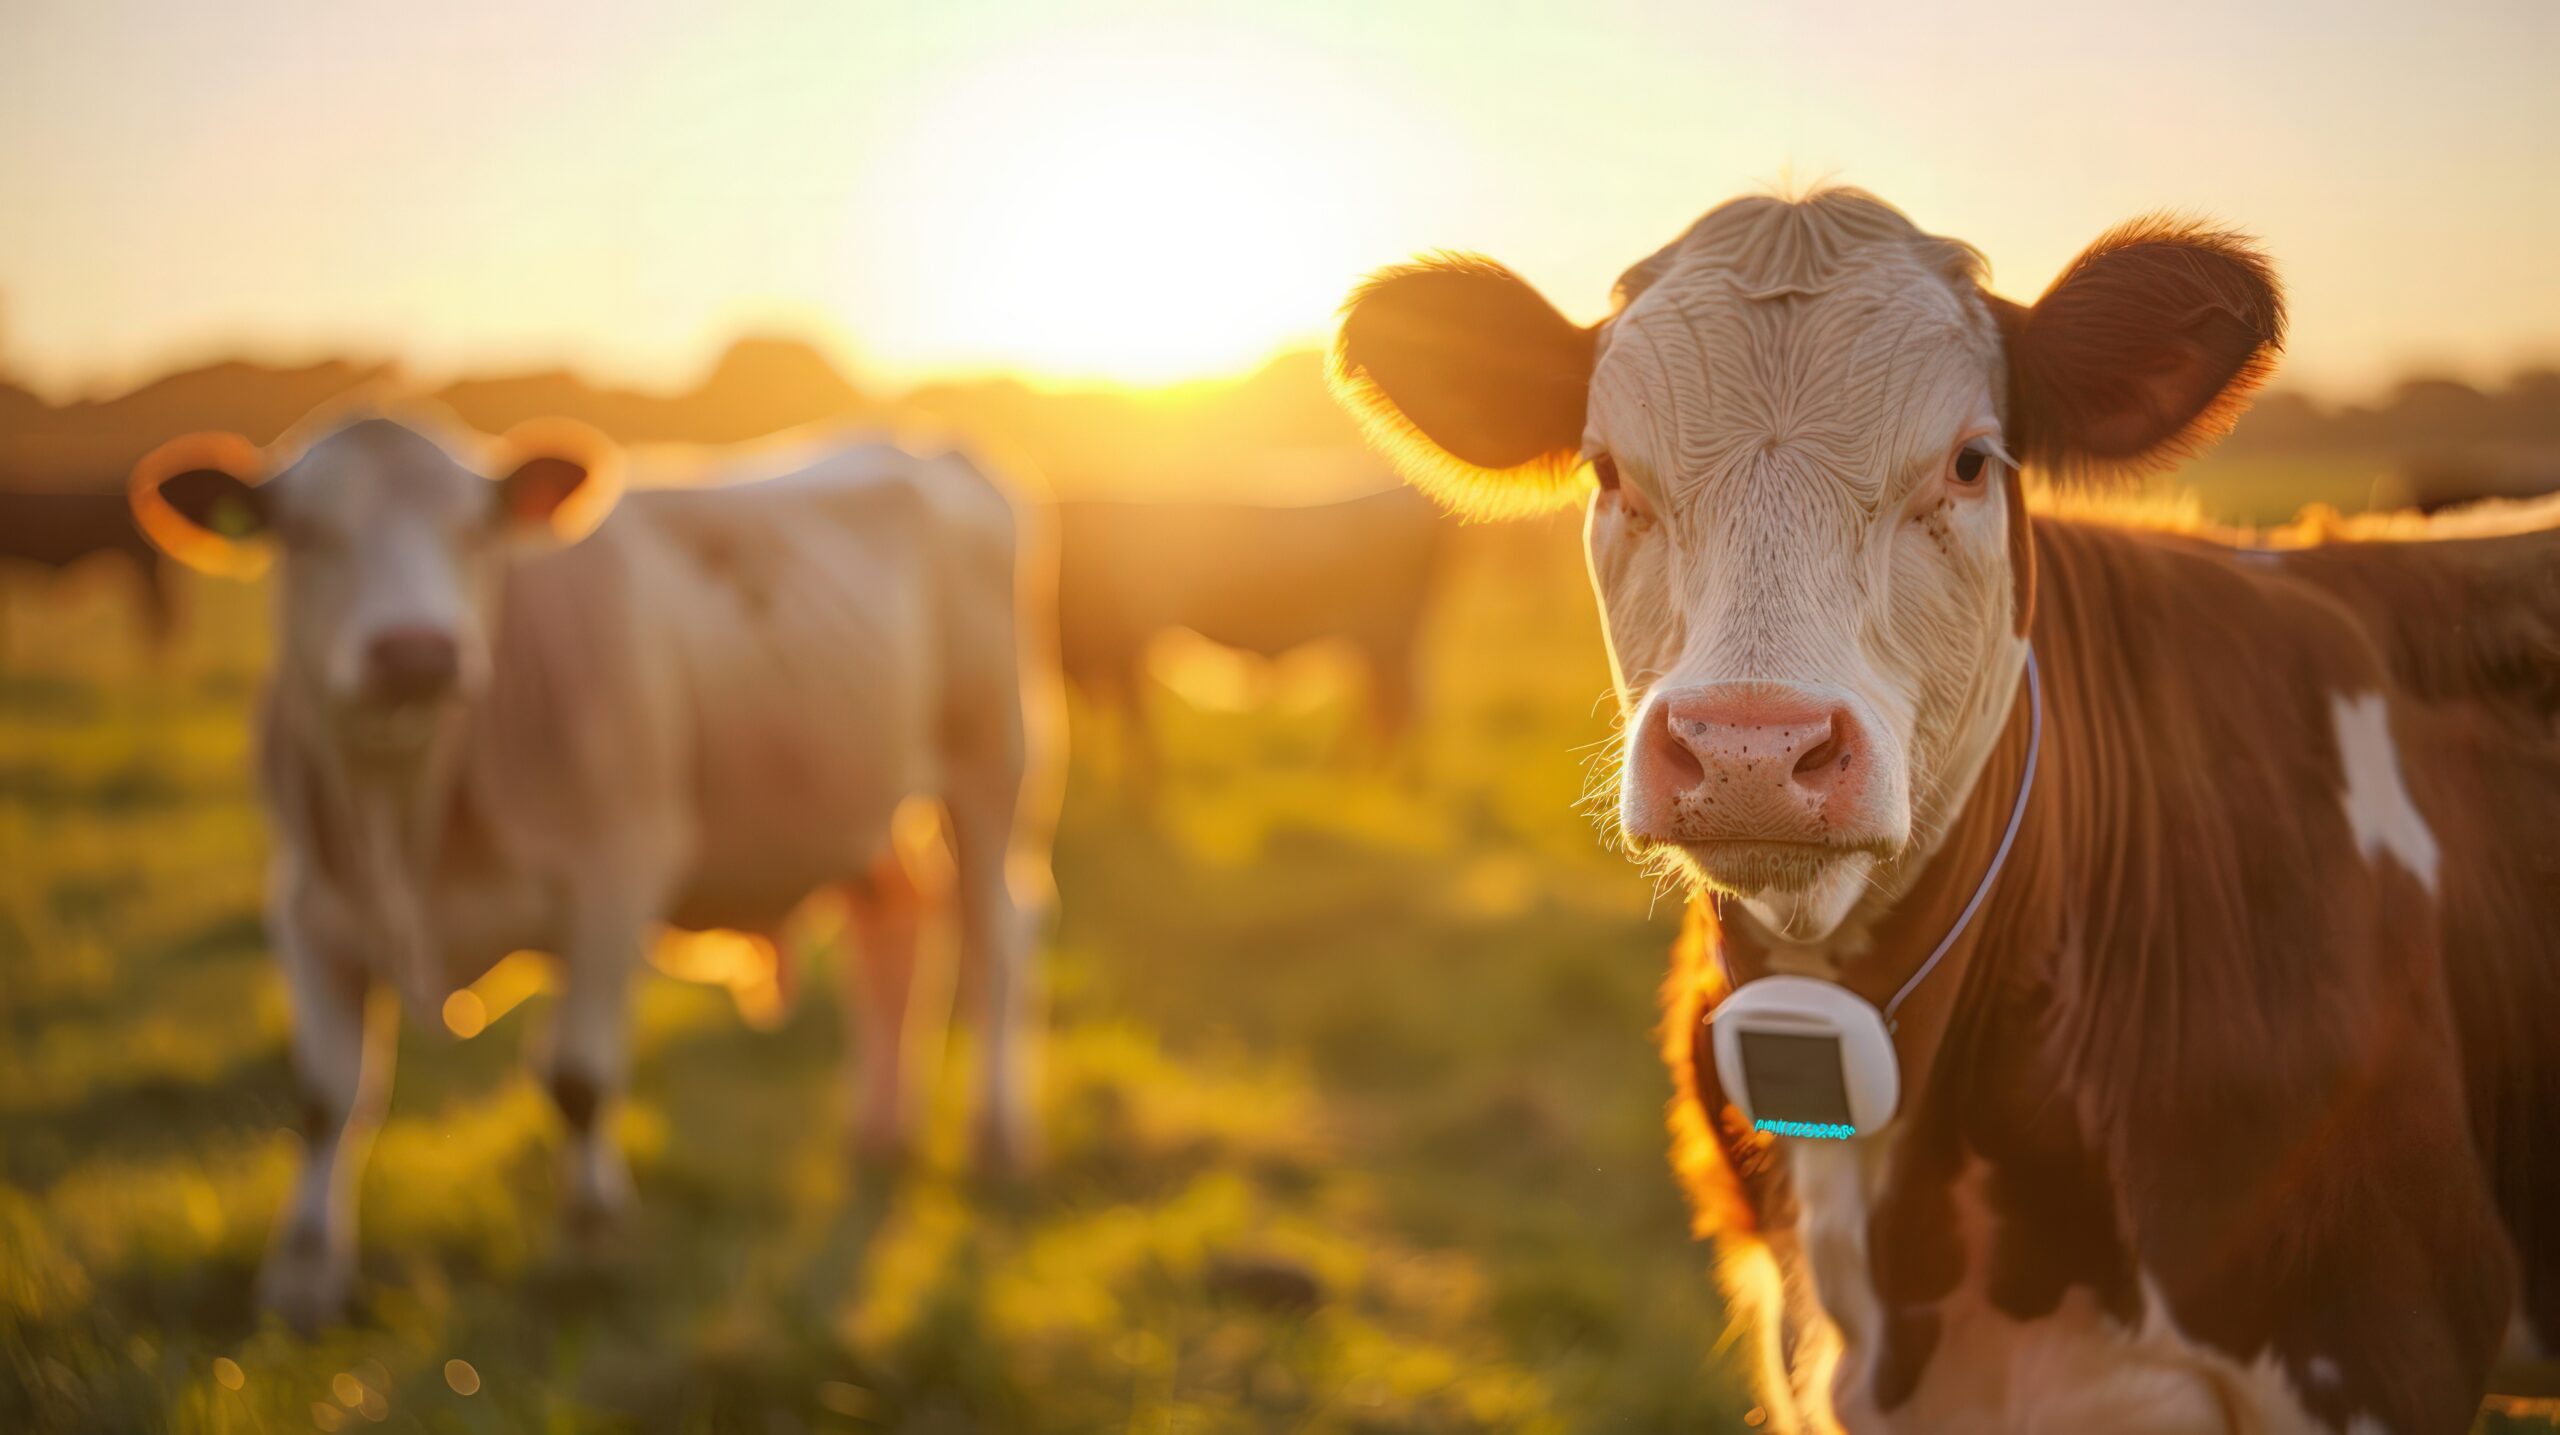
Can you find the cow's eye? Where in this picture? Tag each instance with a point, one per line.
(1605, 469)
(1973, 464)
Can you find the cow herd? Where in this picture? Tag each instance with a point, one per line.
(2122, 984)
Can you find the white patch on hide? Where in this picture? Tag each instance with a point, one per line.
(2379, 811)
(1834, 1183)
(2074, 1369)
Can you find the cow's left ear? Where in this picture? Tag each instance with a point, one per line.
(558, 477)
(2144, 351)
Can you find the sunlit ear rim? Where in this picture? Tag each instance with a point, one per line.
(1539, 484)
(587, 504)
(1543, 485)
(181, 537)
(2237, 286)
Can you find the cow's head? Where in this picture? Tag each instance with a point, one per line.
(1803, 425)
(391, 534)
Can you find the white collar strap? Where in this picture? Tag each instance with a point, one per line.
(1999, 858)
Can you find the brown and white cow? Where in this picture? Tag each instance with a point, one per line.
(2237, 1106)
(490, 728)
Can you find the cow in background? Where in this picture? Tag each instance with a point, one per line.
(55, 529)
(510, 712)
(1264, 579)
(2437, 483)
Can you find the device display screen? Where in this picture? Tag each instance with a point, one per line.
(1795, 1078)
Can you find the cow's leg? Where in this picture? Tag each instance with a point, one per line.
(886, 914)
(589, 1066)
(159, 618)
(1395, 682)
(995, 958)
(1141, 744)
(1000, 813)
(342, 1061)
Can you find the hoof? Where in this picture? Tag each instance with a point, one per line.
(597, 1199)
(306, 1282)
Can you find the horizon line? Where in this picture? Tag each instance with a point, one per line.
(108, 386)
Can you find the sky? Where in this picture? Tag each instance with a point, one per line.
(1137, 193)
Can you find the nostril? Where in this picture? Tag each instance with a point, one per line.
(411, 664)
(1830, 757)
(1676, 762)
(1832, 749)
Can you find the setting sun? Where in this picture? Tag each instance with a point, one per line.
(1135, 206)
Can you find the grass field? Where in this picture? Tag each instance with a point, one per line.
(1354, 1117)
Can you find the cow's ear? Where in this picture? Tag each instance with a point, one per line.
(1473, 384)
(558, 478)
(2144, 351)
(198, 499)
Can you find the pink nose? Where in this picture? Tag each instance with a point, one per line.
(407, 665)
(1750, 762)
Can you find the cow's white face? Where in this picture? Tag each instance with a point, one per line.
(391, 545)
(1805, 526)
(1800, 549)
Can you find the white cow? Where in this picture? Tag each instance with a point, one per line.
(509, 712)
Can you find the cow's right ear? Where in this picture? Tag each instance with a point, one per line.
(1470, 382)
(198, 498)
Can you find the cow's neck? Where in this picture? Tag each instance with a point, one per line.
(1878, 951)
(379, 819)
(1852, 1227)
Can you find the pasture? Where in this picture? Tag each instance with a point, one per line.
(1355, 1123)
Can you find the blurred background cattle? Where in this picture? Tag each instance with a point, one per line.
(49, 531)
(1264, 579)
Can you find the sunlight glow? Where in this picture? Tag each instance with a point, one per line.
(747, 964)
(1138, 205)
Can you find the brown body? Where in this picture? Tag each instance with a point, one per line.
(2202, 1055)
(1262, 579)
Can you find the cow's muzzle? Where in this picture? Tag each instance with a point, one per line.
(411, 667)
(1761, 783)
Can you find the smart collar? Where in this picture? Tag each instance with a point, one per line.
(1809, 1058)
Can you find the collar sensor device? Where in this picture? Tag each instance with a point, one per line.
(1806, 1057)
(1809, 1058)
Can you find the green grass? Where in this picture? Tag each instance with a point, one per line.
(1381, 1030)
